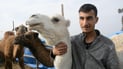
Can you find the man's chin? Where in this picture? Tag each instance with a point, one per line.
(85, 31)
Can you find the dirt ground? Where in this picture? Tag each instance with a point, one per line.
(15, 66)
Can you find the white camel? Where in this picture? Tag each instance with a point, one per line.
(54, 30)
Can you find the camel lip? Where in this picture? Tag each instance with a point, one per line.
(31, 25)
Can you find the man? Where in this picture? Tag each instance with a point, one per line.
(90, 49)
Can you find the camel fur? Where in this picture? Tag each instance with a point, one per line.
(54, 30)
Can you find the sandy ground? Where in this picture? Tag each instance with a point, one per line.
(15, 66)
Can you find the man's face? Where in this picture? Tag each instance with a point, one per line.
(87, 21)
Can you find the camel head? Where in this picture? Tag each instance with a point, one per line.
(21, 29)
(27, 39)
(52, 28)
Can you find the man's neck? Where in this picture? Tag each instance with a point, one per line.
(90, 37)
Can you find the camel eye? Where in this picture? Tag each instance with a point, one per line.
(27, 36)
(55, 20)
(26, 29)
(33, 15)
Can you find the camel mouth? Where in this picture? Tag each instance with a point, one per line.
(15, 42)
(32, 25)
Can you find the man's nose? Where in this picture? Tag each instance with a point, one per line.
(85, 22)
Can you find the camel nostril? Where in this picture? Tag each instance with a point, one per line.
(15, 41)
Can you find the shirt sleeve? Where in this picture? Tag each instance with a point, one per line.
(112, 60)
(51, 54)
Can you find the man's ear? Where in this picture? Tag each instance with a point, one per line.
(67, 23)
(97, 19)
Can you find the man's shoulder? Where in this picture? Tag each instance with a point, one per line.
(76, 36)
(107, 41)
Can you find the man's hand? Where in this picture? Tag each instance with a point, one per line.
(60, 49)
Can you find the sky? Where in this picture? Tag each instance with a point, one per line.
(18, 11)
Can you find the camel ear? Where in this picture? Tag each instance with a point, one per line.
(35, 34)
(16, 28)
(67, 23)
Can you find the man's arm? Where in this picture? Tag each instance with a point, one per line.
(112, 60)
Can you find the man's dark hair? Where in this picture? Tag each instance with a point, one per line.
(87, 8)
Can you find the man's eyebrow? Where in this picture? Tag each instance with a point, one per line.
(88, 17)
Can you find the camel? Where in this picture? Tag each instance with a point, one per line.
(118, 41)
(18, 50)
(54, 30)
(8, 50)
(38, 49)
(11, 51)
(2, 43)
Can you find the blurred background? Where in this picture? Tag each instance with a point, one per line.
(18, 11)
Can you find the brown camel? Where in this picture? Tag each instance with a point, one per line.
(11, 51)
(8, 50)
(38, 49)
(2, 43)
(18, 50)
